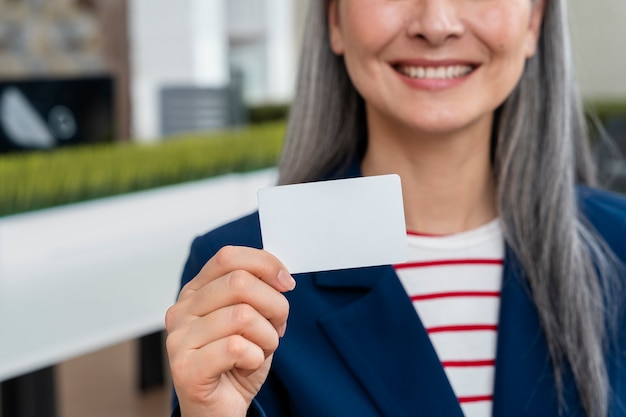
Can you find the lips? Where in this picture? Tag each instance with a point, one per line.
(442, 72)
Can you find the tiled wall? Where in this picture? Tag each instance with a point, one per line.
(50, 37)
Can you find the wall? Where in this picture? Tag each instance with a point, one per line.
(598, 30)
(113, 25)
(282, 50)
(179, 42)
(160, 50)
(52, 37)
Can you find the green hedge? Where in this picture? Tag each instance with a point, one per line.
(599, 113)
(268, 113)
(32, 181)
(604, 110)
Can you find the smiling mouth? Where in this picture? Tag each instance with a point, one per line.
(434, 73)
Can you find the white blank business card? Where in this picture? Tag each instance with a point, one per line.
(336, 224)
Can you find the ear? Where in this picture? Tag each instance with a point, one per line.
(534, 26)
(335, 32)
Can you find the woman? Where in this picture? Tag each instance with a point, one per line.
(473, 104)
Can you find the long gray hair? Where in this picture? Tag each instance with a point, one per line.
(540, 151)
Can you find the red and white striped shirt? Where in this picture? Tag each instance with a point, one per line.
(454, 282)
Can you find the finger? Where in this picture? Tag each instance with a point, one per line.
(239, 319)
(223, 355)
(203, 367)
(239, 287)
(258, 262)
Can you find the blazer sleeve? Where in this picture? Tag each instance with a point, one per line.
(254, 411)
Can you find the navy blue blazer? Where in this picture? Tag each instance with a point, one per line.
(356, 347)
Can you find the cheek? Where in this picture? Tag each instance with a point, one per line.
(504, 30)
(504, 35)
(369, 25)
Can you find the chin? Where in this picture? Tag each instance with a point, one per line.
(436, 127)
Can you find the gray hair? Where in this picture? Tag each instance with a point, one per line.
(540, 150)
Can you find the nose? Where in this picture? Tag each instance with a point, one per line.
(435, 21)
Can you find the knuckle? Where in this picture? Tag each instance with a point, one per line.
(238, 281)
(176, 342)
(171, 317)
(172, 343)
(242, 315)
(235, 346)
(175, 355)
(224, 256)
(267, 264)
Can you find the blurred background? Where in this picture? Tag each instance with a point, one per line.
(127, 127)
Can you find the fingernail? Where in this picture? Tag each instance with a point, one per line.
(286, 280)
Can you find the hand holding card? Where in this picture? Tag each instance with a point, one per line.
(337, 224)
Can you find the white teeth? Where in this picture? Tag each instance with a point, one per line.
(439, 73)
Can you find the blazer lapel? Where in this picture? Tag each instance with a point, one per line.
(383, 342)
(524, 381)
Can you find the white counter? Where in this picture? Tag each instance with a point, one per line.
(82, 277)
